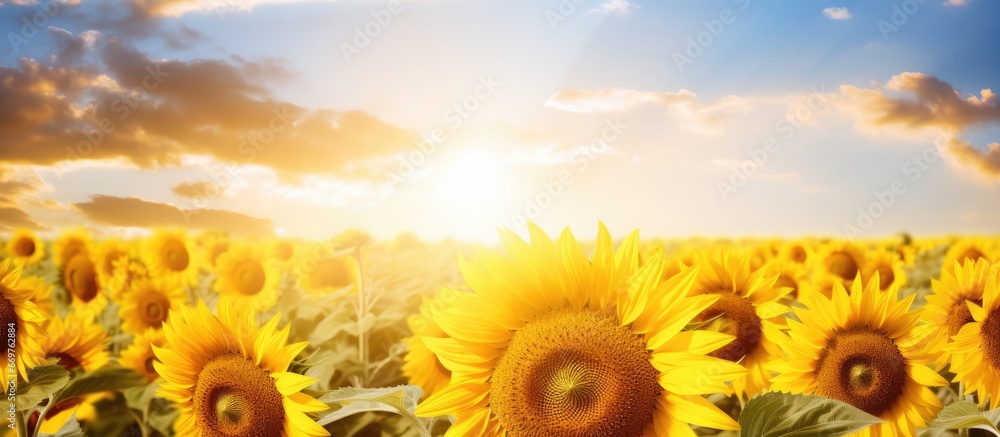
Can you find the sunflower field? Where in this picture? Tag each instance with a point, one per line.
(204, 334)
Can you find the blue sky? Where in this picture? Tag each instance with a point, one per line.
(547, 90)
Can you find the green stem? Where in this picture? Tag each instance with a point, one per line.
(362, 309)
(962, 432)
(22, 423)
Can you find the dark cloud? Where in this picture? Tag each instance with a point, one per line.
(153, 112)
(136, 212)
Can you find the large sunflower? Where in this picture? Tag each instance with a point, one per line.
(147, 303)
(947, 308)
(975, 350)
(865, 349)
(107, 253)
(168, 256)
(421, 367)
(550, 343)
(230, 378)
(17, 309)
(748, 308)
(25, 247)
(247, 277)
(139, 355)
(80, 280)
(70, 243)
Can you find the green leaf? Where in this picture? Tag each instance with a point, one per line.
(162, 415)
(44, 382)
(138, 398)
(775, 414)
(70, 428)
(965, 415)
(349, 401)
(108, 378)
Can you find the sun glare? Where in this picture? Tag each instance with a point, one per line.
(473, 181)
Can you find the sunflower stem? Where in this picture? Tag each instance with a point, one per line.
(362, 310)
(22, 423)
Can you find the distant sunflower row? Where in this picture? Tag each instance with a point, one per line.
(548, 337)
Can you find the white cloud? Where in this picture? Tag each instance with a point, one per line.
(616, 7)
(841, 13)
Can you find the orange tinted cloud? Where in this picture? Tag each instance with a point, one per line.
(136, 212)
(984, 163)
(928, 102)
(197, 189)
(154, 112)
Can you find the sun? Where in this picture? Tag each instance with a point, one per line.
(474, 180)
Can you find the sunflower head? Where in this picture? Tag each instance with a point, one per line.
(126, 271)
(230, 378)
(76, 342)
(973, 249)
(325, 274)
(79, 278)
(139, 355)
(748, 308)
(247, 276)
(40, 293)
(18, 310)
(947, 309)
(975, 350)
(863, 348)
(889, 266)
(211, 248)
(70, 243)
(840, 259)
(421, 367)
(798, 252)
(107, 253)
(168, 255)
(147, 303)
(551, 343)
(25, 247)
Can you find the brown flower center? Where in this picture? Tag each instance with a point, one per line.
(959, 316)
(8, 314)
(862, 368)
(249, 277)
(81, 278)
(971, 254)
(175, 255)
(842, 264)
(25, 247)
(797, 254)
(990, 332)
(574, 373)
(235, 397)
(735, 316)
(153, 308)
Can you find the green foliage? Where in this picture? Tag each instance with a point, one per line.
(775, 414)
(966, 415)
(44, 381)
